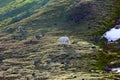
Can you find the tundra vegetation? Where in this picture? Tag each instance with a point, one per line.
(32, 53)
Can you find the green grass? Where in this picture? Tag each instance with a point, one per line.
(18, 10)
(112, 54)
(50, 19)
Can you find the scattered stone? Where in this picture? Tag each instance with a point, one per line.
(74, 42)
(8, 78)
(62, 62)
(41, 78)
(22, 32)
(36, 64)
(16, 37)
(117, 47)
(93, 47)
(47, 62)
(117, 26)
(116, 64)
(38, 37)
(31, 42)
(1, 58)
(27, 78)
(95, 39)
(10, 30)
(63, 56)
(33, 74)
(21, 28)
(89, 27)
(2, 48)
(107, 69)
(72, 76)
(55, 24)
(54, 59)
(83, 79)
(67, 62)
(4, 68)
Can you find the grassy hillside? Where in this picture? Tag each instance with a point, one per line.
(24, 57)
(111, 57)
(13, 11)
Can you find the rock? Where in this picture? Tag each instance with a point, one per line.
(107, 69)
(1, 58)
(31, 42)
(74, 42)
(93, 47)
(41, 78)
(21, 29)
(63, 56)
(83, 79)
(117, 47)
(38, 37)
(10, 30)
(33, 74)
(1, 48)
(95, 39)
(9, 78)
(89, 27)
(36, 63)
(62, 62)
(48, 62)
(72, 76)
(117, 26)
(114, 64)
(54, 59)
(4, 68)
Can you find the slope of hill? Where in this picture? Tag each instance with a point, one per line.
(15, 11)
(25, 57)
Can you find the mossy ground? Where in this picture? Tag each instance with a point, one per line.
(82, 60)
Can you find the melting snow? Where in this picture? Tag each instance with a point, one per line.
(115, 69)
(113, 34)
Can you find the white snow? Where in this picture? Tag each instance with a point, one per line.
(115, 69)
(112, 35)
